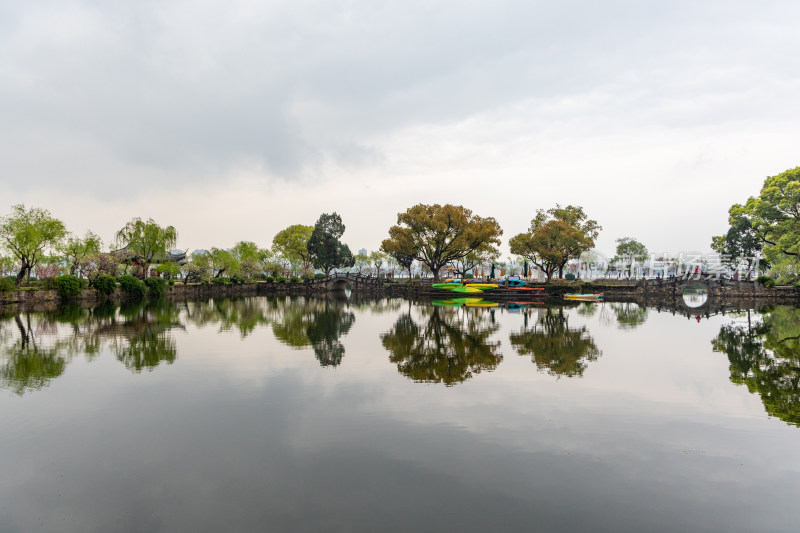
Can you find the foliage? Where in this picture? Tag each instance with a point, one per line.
(68, 286)
(223, 261)
(294, 279)
(324, 247)
(157, 286)
(766, 281)
(772, 220)
(292, 243)
(377, 259)
(555, 237)
(361, 261)
(7, 284)
(281, 279)
(105, 284)
(319, 275)
(251, 259)
(147, 240)
(569, 277)
(75, 249)
(28, 234)
(436, 235)
(132, 285)
(270, 279)
(96, 264)
(629, 251)
(192, 272)
(170, 269)
(221, 281)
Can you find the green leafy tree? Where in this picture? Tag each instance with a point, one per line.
(629, 252)
(403, 259)
(223, 262)
(377, 260)
(292, 243)
(361, 261)
(147, 240)
(28, 234)
(326, 251)
(555, 237)
(771, 219)
(76, 248)
(436, 235)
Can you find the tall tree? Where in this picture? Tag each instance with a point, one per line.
(769, 223)
(326, 251)
(292, 243)
(147, 240)
(76, 248)
(436, 235)
(629, 251)
(29, 234)
(555, 237)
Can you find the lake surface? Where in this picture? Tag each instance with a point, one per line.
(285, 414)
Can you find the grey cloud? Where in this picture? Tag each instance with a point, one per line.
(185, 87)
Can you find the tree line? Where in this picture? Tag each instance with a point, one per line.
(433, 236)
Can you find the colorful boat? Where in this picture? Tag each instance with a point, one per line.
(484, 286)
(584, 297)
(466, 290)
(526, 288)
(515, 283)
(446, 285)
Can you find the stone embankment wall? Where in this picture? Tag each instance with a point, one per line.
(634, 290)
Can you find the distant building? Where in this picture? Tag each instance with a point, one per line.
(363, 251)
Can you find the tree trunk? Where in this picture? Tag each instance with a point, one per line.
(21, 274)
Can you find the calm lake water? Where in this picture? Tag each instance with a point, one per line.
(265, 414)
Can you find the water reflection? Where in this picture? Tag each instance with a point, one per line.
(765, 356)
(316, 323)
(554, 346)
(446, 345)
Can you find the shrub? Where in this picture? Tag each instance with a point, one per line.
(236, 279)
(7, 284)
(132, 285)
(269, 279)
(319, 275)
(105, 284)
(68, 286)
(48, 284)
(766, 281)
(294, 279)
(221, 281)
(281, 279)
(171, 282)
(569, 276)
(157, 286)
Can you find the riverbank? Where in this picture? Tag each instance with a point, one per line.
(612, 290)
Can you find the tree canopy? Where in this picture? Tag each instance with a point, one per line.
(769, 223)
(29, 234)
(147, 240)
(436, 235)
(292, 243)
(555, 237)
(629, 251)
(326, 251)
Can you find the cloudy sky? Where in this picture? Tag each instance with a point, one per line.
(232, 120)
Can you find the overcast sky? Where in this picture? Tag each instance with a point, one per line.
(232, 120)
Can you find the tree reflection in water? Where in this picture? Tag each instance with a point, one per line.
(765, 357)
(554, 346)
(449, 347)
(300, 323)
